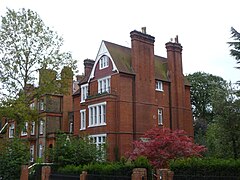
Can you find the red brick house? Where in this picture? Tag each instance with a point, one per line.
(127, 91)
(54, 116)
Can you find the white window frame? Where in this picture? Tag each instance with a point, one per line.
(104, 85)
(33, 128)
(84, 92)
(98, 139)
(71, 127)
(97, 117)
(160, 116)
(41, 127)
(11, 130)
(41, 105)
(159, 86)
(40, 152)
(32, 153)
(24, 131)
(83, 119)
(103, 62)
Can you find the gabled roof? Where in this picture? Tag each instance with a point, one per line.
(122, 58)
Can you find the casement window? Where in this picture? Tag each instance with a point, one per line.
(40, 151)
(41, 127)
(160, 117)
(31, 153)
(99, 140)
(97, 114)
(104, 85)
(41, 105)
(83, 119)
(25, 129)
(84, 92)
(33, 128)
(11, 130)
(159, 86)
(104, 62)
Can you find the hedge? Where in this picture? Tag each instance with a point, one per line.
(115, 168)
(206, 167)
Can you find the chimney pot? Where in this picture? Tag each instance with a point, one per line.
(144, 31)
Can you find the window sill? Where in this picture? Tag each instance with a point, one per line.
(97, 125)
(160, 90)
(82, 129)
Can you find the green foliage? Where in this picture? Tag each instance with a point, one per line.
(216, 115)
(109, 168)
(13, 154)
(28, 45)
(223, 136)
(204, 87)
(235, 44)
(74, 151)
(121, 168)
(29, 48)
(70, 169)
(206, 167)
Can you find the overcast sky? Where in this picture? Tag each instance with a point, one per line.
(203, 27)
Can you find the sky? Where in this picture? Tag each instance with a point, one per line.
(203, 27)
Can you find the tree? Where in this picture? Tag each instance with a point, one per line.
(235, 44)
(223, 135)
(75, 151)
(29, 47)
(162, 145)
(13, 154)
(204, 87)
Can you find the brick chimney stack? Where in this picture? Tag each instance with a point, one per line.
(175, 72)
(88, 65)
(142, 62)
(142, 53)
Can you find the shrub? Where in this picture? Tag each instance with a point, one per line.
(206, 167)
(71, 169)
(13, 154)
(162, 145)
(74, 151)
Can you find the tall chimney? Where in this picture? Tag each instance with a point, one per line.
(175, 71)
(142, 53)
(88, 65)
(142, 61)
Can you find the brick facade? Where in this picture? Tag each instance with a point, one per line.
(132, 101)
(53, 116)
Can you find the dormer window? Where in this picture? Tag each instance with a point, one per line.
(104, 62)
(159, 86)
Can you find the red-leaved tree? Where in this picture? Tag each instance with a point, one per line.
(159, 145)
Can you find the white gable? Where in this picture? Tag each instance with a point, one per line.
(102, 51)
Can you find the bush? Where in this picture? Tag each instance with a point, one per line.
(206, 167)
(109, 169)
(74, 151)
(122, 168)
(13, 154)
(70, 169)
